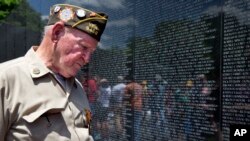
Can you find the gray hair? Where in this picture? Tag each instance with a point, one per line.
(46, 29)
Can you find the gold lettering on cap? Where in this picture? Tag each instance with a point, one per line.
(92, 14)
(92, 28)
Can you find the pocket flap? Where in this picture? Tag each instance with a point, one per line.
(35, 115)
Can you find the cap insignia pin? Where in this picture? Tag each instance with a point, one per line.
(57, 9)
(80, 13)
(66, 14)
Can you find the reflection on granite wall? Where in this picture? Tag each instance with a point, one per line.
(15, 41)
(190, 59)
(20, 28)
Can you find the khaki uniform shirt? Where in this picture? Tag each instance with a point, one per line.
(34, 106)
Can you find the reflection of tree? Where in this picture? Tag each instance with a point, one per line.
(23, 16)
(108, 63)
(215, 54)
(139, 52)
(180, 49)
(130, 56)
(6, 6)
(20, 29)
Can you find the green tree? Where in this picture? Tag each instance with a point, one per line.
(23, 16)
(6, 6)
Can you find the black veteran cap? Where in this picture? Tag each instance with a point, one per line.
(86, 20)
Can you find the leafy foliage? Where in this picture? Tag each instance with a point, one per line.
(6, 6)
(22, 15)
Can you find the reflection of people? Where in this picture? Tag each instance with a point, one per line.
(116, 101)
(202, 96)
(133, 96)
(90, 87)
(186, 103)
(158, 105)
(40, 97)
(103, 108)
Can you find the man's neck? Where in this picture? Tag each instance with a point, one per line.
(45, 53)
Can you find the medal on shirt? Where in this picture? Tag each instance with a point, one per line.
(88, 117)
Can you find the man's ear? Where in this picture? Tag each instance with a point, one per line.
(57, 30)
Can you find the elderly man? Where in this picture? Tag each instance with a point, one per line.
(40, 97)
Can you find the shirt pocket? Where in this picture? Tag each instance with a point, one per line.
(46, 125)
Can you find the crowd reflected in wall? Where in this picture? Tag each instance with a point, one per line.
(164, 70)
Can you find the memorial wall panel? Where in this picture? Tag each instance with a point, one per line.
(235, 95)
(178, 60)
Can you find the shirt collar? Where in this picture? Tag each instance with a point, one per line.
(36, 66)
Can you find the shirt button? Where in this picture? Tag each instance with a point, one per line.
(36, 71)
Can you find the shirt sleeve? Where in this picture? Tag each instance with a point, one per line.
(3, 109)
